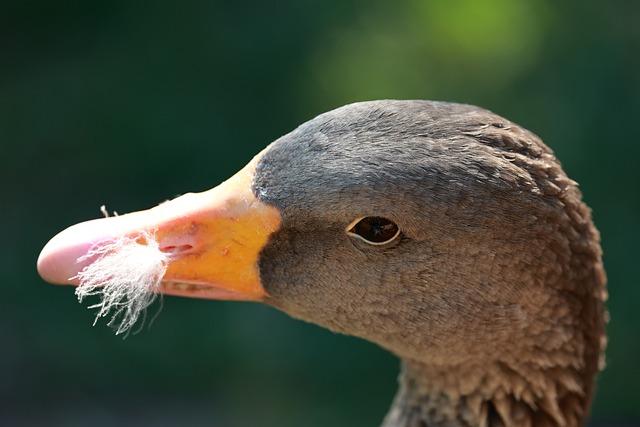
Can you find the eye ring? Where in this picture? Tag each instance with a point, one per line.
(373, 230)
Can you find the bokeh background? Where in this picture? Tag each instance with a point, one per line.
(130, 103)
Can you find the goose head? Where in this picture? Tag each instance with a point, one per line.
(442, 232)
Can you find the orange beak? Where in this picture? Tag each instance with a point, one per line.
(214, 240)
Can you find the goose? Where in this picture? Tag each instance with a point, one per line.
(442, 232)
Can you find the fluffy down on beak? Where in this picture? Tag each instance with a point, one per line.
(203, 245)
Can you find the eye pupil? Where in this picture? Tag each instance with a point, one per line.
(375, 229)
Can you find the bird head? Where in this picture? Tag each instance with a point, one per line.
(431, 229)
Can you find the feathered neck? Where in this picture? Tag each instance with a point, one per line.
(543, 377)
(499, 394)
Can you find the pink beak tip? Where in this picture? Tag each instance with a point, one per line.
(57, 263)
(58, 260)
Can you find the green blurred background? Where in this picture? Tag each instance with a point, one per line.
(131, 103)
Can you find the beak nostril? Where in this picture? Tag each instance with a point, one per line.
(176, 249)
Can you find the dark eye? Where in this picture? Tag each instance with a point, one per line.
(374, 230)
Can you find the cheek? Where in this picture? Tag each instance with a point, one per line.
(326, 279)
(405, 298)
(316, 276)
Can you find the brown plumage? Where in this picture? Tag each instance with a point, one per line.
(492, 293)
(495, 302)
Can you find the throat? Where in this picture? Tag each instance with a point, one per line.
(488, 395)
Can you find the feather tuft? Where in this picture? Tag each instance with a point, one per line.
(126, 274)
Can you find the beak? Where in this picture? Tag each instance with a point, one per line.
(213, 240)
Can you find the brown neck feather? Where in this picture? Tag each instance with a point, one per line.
(545, 375)
(489, 396)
